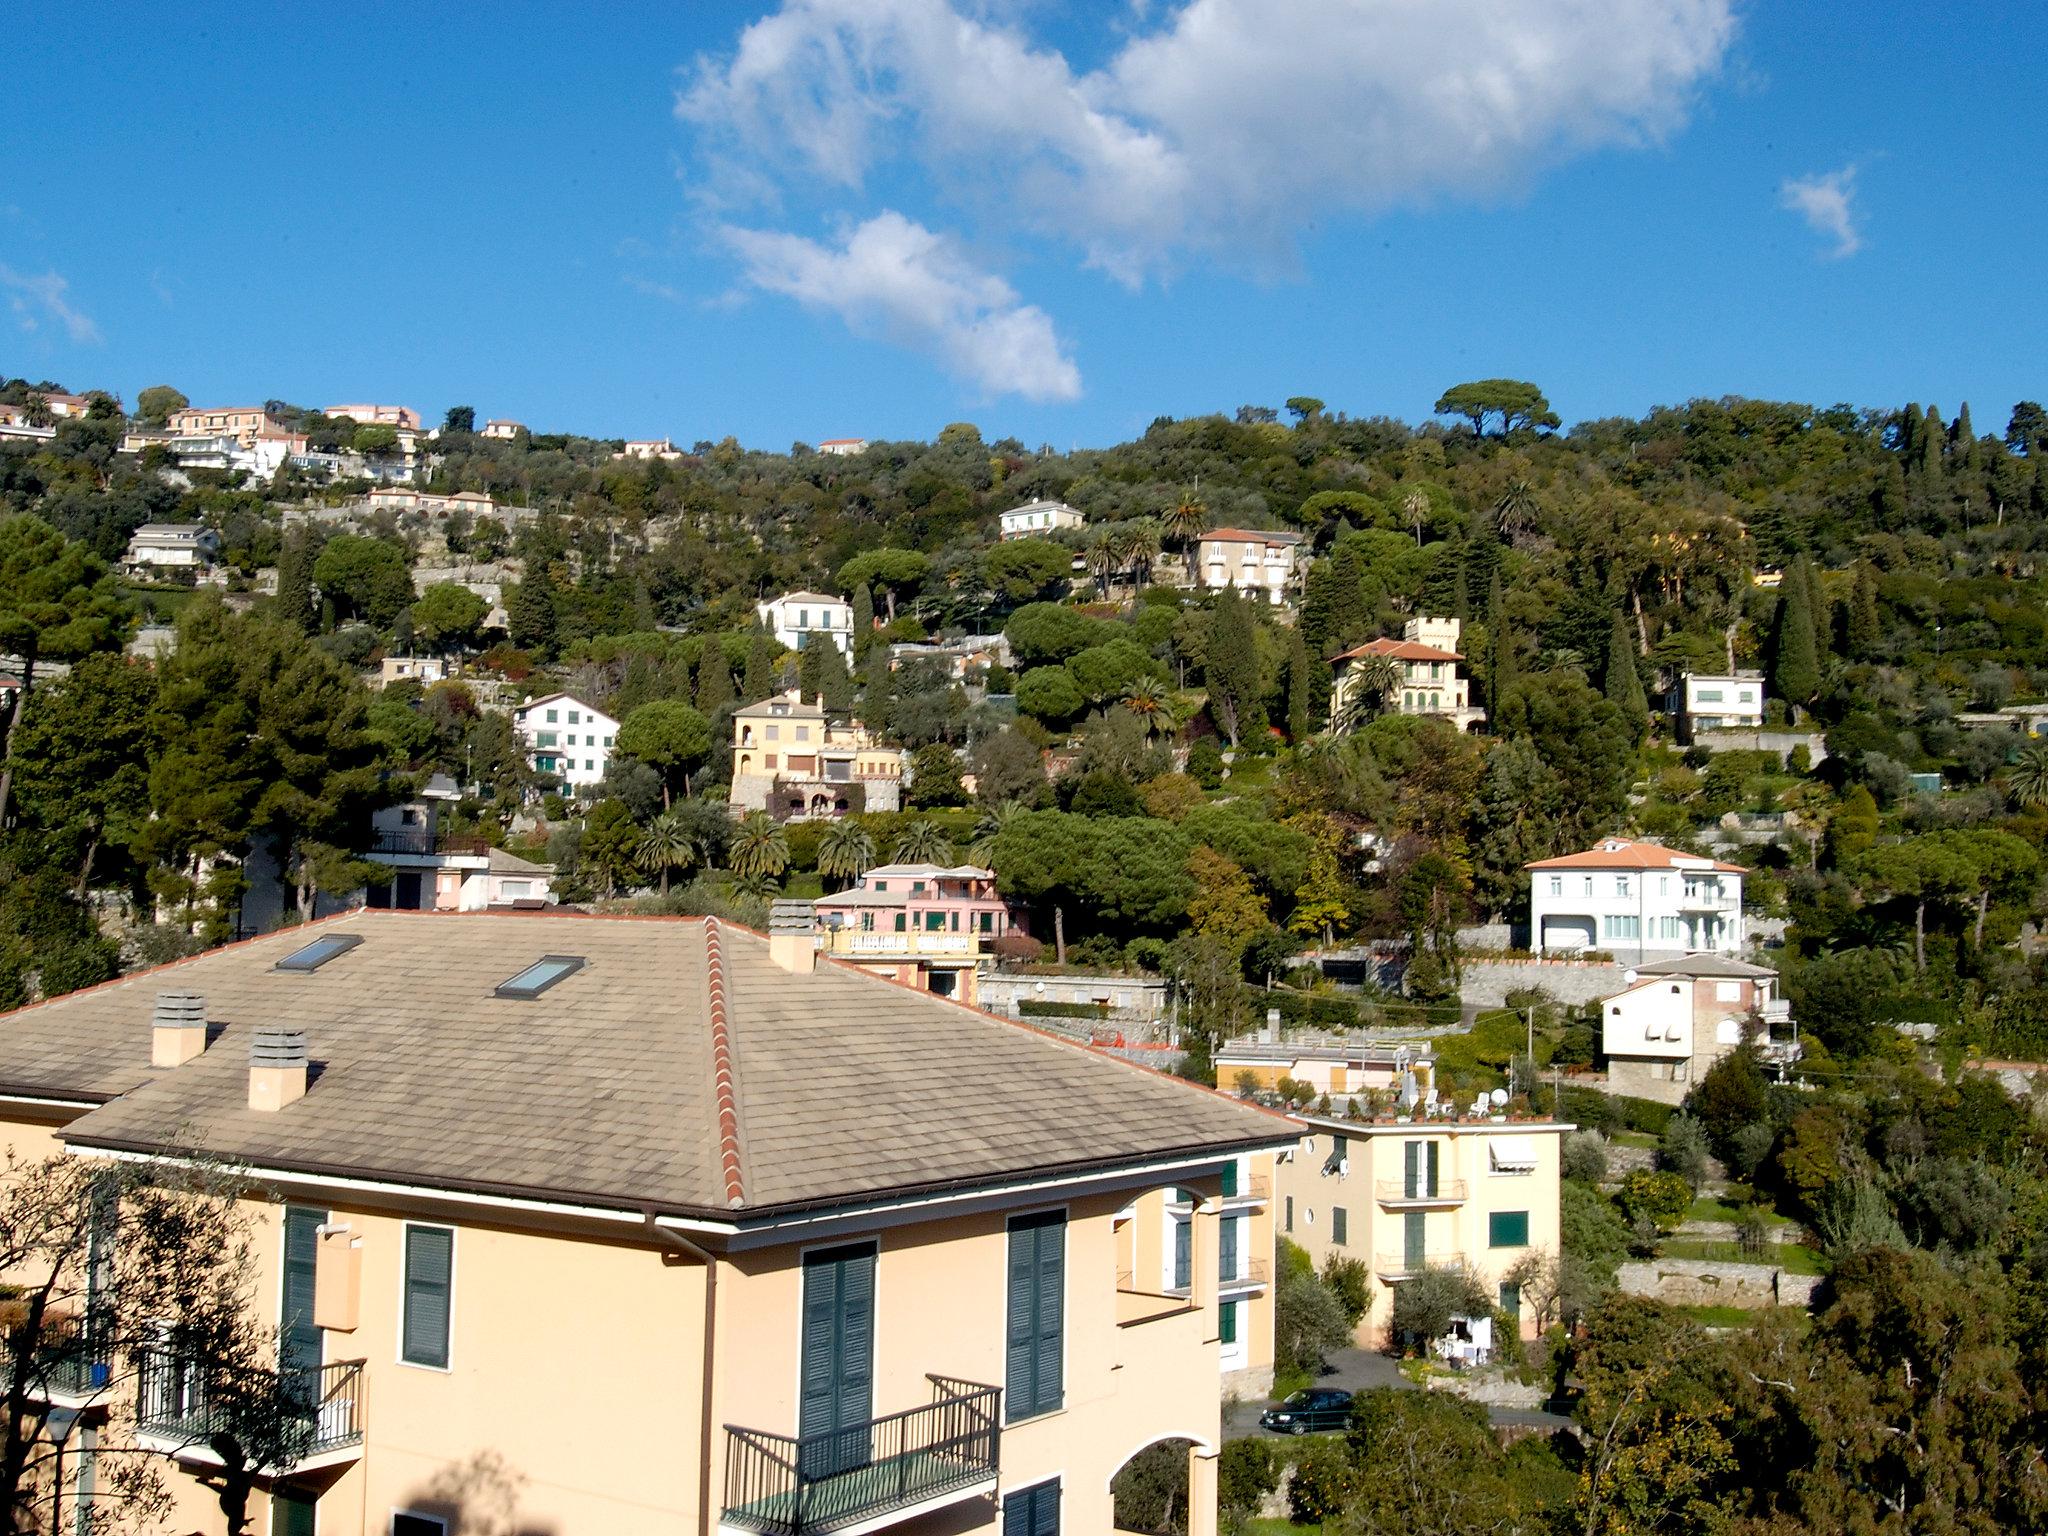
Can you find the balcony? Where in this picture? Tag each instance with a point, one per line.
(1251, 1274)
(1777, 1011)
(1403, 1266)
(179, 1405)
(418, 842)
(66, 1369)
(879, 1473)
(1399, 1192)
(1707, 898)
(862, 944)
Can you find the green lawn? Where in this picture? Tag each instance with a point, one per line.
(1734, 1317)
(1794, 1258)
(1633, 1139)
(1707, 1208)
(1280, 1528)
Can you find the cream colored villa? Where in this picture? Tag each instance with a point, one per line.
(1403, 1195)
(648, 1226)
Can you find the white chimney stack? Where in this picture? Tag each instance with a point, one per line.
(277, 1068)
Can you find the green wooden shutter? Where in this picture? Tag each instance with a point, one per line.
(1052, 1301)
(1511, 1298)
(857, 1340)
(291, 1514)
(1226, 1249)
(1507, 1229)
(1183, 1253)
(300, 1343)
(1431, 1188)
(1411, 1168)
(1289, 1214)
(1230, 1180)
(1340, 1226)
(835, 1394)
(1228, 1318)
(1414, 1244)
(429, 1269)
(1019, 1354)
(1033, 1511)
(1035, 1340)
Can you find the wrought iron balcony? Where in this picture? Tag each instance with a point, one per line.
(418, 842)
(180, 1399)
(903, 1463)
(1405, 1265)
(73, 1364)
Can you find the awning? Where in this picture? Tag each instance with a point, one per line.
(1510, 1154)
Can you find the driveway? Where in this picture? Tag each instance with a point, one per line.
(1362, 1370)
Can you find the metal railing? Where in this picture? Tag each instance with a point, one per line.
(937, 942)
(74, 1364)
(1402, 1263)
(181, 1399)
(1421, 1192)
(1251, 1275)
(785, 1485)
(1251, 1188)
(419, 841)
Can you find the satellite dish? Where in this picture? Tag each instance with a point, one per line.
(1499, 1097)
(1629, 976)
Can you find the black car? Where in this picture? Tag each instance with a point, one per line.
(1319, 1408)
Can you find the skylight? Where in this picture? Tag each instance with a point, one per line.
(539, 976)
(319, 952)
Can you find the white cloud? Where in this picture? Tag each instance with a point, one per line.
(1225, 127)
(891, 277)
(39, 297)
(1828, 204)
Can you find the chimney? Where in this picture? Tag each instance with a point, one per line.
(792, 936)
(1270, 1035)
(277, 1068)
(177, 1028)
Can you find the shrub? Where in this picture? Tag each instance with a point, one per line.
(1308, 1324)
(1321, 1487)
(1683, 1151)
(1351, 1283)
(1427, 1302)
(1035, 1008)
(1246, 1472)
(1660, 1197)
(1749, 1149)
(1584, 1157)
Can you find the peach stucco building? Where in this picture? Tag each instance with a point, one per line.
(1404, 1194)
(645, 1226)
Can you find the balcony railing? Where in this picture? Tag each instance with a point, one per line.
(75, 1366)
(938, 944)
(1422, 1192)
(1400, 1266)
(1253, 1189)
(418, 841)
(181, 1399)
(786, 1485)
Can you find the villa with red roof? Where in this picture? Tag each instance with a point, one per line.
(1430, 684)
(1638, 901)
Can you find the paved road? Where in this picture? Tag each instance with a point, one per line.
(1361, 1370)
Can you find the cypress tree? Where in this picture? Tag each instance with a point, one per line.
(1865, 632)
(1500, 649)
(1299, 695)
(1932, 436)
(1817, 605)
(530, 616)
(1965, 438)
(1232, 669)
(295, 609)
(863, 620)
(759, 681)
(822, 673)
(1795, 674)
(714, 680)
(1622, 683)
(1461, 590)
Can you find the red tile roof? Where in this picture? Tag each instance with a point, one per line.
(1623, 853)
(1250, 536)
(1400, 650)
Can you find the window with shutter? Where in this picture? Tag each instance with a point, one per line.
(836, 1405)
(301, 1344)
(1507, 1229)
(1226, 1249)
(291, 1514)
(1340, 1226)
(429, 1273)
(1288, 1213)
(1035, 1341)
(1033, 1511)
(1229, 1180)
(1227, 1319)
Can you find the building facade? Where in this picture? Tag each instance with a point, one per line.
(1327, 1065)
(1036, 519)
(1430, 682)
(1677, 1018)
(243, 423)
(172, 546)
(1636, 901)
(1732, 701)
(1254, 561)
(798, 619)
(928, 926)
(1429, 1191)
(503, 431)
(566, 737)
(790, 759)
(843, 447)
(687, 1163)
(377, 415)
(650, 448)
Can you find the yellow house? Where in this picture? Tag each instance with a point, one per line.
(639, 1226)
(790, 759)
(1400, 1195)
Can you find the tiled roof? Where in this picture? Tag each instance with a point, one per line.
(808, 597)
(1400, 650)
(1706, 966)
(1250, 536)
(610, 1088)
(1622, 853)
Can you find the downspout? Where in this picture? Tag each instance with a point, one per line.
(675, 1242)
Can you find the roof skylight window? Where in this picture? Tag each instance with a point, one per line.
(319, 952)
(539, 976)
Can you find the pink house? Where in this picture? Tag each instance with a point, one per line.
(925, 924)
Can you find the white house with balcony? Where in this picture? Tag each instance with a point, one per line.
(1726, 701)
(1677, 1018)
(1036, 519)
(1428, 655)
(1637, 901)
(172, 546)
(429, 869)
(798, 619)
(566, 737)
(1253, 560)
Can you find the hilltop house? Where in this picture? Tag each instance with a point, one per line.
(503, 431)
(1676, 1018)
(243, 423)
(1639, 901)
(792, 761)
(566, 737)
(650, 448)
(798, 619)
(837, 1255)
(1253, 560)
(925, 925)
(1727, 701)
(377, 415)
(1430, 684)
(1035, 519)
(843, 447)
(172, 546)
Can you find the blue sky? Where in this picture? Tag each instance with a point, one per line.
(872, 217)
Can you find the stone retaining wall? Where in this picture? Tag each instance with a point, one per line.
(1715, 1283)
(1487, 983)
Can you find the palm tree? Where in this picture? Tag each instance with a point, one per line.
(1183, 522)
(1147, 700)
(1139, 546)
(2027, 780)
(756, 885)
(1514, 510)
(1370, 688)
(1416, 505)
(1105, 558)
(667, 844)
(846, 851)
(924, 841)
(759, 846)
(991, 825)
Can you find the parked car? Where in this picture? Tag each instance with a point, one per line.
(1318, 1408)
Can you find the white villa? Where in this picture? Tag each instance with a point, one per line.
(177, 546)
(566, 737)
(795, 617)
(1676, 1018)
(1638, 901)
(1035, 519)
(1729, 701)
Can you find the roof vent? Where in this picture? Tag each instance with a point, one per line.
(792, 936)
(177, 1028)
(277, 1068)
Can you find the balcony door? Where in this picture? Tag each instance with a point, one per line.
(1421, 1170)
(837, 1402)
(1414, 1251)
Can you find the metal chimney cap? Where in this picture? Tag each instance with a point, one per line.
(275, 1047)
(791, 916)
(179, 1010)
